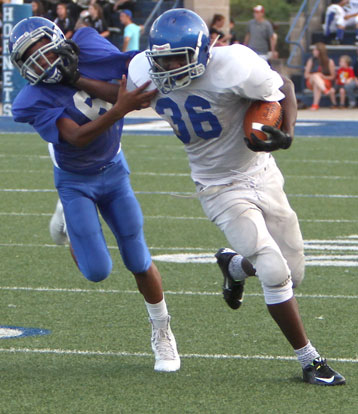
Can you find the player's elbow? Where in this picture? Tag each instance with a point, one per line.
(287, 82)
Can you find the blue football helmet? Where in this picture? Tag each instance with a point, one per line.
(36, 67)
(181, 33)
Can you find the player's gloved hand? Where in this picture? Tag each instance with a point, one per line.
(69, 53)
(277, 139)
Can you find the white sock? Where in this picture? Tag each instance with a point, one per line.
(157, 311)
(235, 269)
(306, 354)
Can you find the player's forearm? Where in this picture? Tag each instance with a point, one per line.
(102, 90)
(82, 135)
(289, 106)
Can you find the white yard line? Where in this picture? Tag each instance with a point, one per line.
(175, 175)
(176, 193)
(13, 213)
(167, 292)
(150, 355)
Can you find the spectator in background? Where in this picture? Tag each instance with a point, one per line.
(96, 19)
(351, 16)
(216, 31)
(345, 72)
(260, 36)
(131, 34)
(319, 73)
(233, 37)
(64, 22)
(124, 5)
(38, 8)
(338, 18)
(351, 86)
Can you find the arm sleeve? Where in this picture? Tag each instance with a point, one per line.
(128, 32)
(260, 82)
(138, 72)
(98, 58)
(39, 114)
(269, 29)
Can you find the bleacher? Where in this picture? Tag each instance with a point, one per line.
(312, 37)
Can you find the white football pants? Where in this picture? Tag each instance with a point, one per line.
(259, 224)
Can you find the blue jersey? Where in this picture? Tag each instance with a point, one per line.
(42, 105)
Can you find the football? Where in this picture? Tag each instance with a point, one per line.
(262, 113)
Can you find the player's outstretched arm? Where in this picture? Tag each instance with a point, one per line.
(82, 135)
(100, 89)
(69, 52)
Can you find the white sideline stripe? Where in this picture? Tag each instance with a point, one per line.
(320, 161)
(3, 213)
(167, 292)
(164, 174)
(150, 355)
(309, 245)
(175, 193)
(199, 249)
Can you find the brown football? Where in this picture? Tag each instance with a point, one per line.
(262, 113)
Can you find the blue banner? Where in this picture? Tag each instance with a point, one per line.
(12, 82)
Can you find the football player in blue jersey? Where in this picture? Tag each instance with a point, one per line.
(90, 170)
(204, 94)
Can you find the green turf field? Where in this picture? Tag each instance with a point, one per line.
(97, 358)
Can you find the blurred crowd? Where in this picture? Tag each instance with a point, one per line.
(260, 35)
(324, 78)
(321, 74)
(105, 16)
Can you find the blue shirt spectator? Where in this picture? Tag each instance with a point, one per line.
(131, 31)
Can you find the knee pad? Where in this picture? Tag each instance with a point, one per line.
(135, 253)
(297, 267)
(278, 294)
(97, 273)
(271, 267)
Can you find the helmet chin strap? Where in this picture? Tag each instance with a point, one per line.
(211, 47)
(198, 46)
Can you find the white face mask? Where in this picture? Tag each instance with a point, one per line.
(37, 67)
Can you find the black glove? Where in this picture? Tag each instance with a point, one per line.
(277, 139)
(68, 51)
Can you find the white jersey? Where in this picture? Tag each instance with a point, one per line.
(208, 114)
(334, 17)
(351, 7)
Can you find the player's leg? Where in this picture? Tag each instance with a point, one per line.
(246, 231)
(122, 213)
(317, 91)
(342, 97)
(350, 88)
(282, 223)
(88, 246)
(57, 225)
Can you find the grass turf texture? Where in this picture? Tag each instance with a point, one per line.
(115, 322)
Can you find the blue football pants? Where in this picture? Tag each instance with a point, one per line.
(110, 191)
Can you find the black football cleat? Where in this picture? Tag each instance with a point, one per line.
(233, 290)
(319, 373)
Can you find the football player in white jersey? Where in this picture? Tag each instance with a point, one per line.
(204, 94)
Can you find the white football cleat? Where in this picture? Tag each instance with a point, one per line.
(164, 347)
(58, 229)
